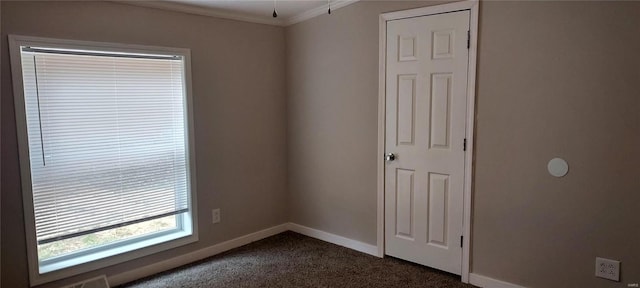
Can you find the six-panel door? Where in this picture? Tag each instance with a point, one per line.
(426, 82)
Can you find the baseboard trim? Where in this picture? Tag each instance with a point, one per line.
(181, 260)
(335, 239)
(486, 282)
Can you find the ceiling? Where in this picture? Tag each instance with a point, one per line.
(257, 11)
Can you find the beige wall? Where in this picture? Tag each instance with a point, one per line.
(239, 94)
(557, 79)
(554, 79)
(332, 106)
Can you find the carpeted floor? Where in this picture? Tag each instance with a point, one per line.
(293, 260)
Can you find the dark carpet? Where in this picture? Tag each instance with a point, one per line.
(293, 260)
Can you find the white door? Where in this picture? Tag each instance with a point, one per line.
(426, 88)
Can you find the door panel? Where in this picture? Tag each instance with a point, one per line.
(440, 110)
(426, 88)
(404, 203)
(406, 108)
(437, 220)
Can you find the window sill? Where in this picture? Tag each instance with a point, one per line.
(55, 270)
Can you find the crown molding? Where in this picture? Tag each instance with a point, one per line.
(306, 15)
(190, 9)
(211, 12)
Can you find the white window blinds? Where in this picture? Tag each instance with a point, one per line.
(107, 139)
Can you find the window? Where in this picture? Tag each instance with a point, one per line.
(105, 152)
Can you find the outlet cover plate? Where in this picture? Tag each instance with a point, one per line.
(215, 216)
(608, 269)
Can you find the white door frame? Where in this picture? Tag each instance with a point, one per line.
(472, 6)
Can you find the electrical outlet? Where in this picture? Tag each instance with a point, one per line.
(215, 216)
(608, 269)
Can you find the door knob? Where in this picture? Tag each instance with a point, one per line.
(389, 157)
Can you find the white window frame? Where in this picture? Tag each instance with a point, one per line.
(130, 249)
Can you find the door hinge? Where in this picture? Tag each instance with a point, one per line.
(468, 39)
(464, 145)
(461, 238)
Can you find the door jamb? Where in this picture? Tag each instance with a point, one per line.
(473, 7)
